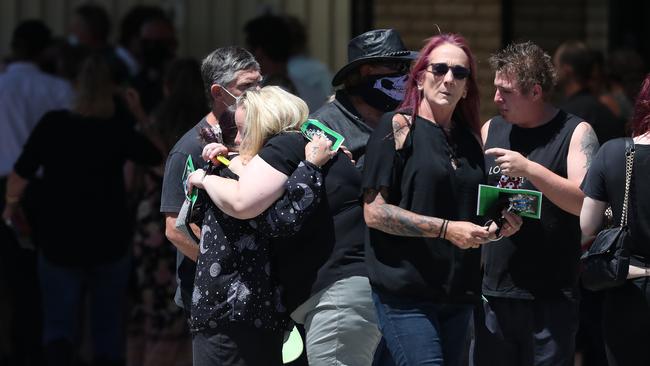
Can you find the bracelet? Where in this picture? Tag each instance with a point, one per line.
(444, 234)
(443, 229)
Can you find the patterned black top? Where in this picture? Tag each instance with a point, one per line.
(234, 280)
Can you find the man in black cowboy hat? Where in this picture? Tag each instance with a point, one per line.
(372, 83)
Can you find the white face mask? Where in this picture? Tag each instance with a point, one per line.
(233, 106)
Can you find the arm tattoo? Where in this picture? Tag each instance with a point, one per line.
(589, 145)
(313, 153)
(398, 129)
(398, 221)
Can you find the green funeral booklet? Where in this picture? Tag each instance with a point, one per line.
(189, 169)
(524, 202)
(312, 127)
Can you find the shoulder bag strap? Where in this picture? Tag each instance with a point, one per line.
(629, 162)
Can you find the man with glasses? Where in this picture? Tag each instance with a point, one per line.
(371, 84)
(227, 72)
(530, 309)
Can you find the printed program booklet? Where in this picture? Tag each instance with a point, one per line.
(524, 202)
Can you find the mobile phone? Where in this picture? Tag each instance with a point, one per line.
(313, 127)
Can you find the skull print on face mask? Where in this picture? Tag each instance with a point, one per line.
(382, 92)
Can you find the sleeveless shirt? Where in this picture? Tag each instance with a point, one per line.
(541, 260)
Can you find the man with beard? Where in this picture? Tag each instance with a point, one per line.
(372, 84)
(227, 73)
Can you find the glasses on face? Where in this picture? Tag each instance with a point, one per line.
(440, 69)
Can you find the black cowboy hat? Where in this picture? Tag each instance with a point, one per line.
(374, 45)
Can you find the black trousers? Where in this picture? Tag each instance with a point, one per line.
(626, 323)
(517, 332)
(237, 345)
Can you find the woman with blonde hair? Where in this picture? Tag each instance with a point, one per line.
(237, 311)
(321, 267)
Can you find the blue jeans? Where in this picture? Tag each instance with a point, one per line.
(419, 332)
(63, 289)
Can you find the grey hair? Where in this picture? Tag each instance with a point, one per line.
(221, 66)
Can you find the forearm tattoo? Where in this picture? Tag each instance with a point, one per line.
(313, 153)
(589, 145)
(398, 221)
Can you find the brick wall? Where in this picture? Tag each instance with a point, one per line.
(551, 22)
(479, 21)
(546, 22)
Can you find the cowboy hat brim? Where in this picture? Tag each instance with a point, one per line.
(342, 73)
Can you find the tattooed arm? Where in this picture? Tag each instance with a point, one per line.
(397, 221)
(563, 192)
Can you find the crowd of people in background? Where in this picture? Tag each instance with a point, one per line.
(374, 250)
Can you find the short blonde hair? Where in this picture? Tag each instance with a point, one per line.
(269, 111)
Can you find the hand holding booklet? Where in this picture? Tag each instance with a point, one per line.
(523, 202)
(313, 127)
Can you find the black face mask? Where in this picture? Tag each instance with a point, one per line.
(382, 92)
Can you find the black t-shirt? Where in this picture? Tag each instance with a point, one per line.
(82, 217)
(605, 181)
(420, 178)
(173, 196)
(541, 259)
(329, 247)
(585, 105)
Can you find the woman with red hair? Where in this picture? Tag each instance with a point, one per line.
(626, 309)
(423, 167)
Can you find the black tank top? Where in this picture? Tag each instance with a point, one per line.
(541, 260)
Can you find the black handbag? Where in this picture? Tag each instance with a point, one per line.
(606, 263)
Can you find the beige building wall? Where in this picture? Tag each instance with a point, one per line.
(202, 25)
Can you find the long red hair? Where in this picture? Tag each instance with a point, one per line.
(467, 109)
(641, 118)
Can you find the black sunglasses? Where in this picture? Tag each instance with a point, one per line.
(440, 69)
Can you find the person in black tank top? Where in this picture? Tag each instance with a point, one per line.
(420, 180)
(529, 314)
(626, 310)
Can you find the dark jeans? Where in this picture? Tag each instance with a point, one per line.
(63, 288)
(525, 332)
(237, 345)
(589, 340)
(20, 295)
(626, 323)
(419, 332)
